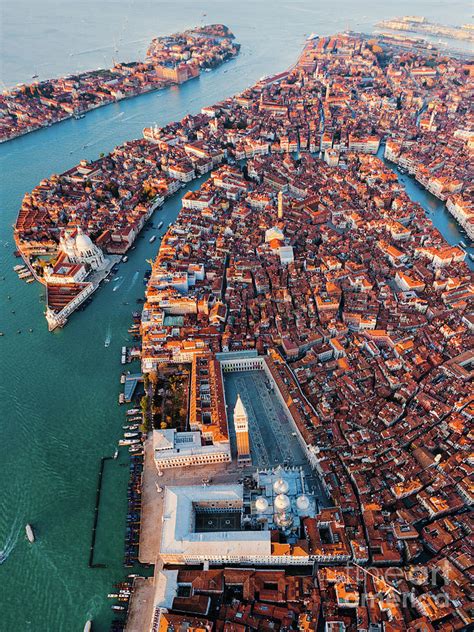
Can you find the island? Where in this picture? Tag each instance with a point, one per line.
(420, 25)
(303, 459)
(170, 60)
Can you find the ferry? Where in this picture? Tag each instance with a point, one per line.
(160, 225)
(30, 533)
(152, 239)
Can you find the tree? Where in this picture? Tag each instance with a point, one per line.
(144, 403)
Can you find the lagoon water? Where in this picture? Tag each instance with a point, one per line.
(58, 392)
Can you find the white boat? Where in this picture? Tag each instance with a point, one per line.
(107, 343)
(133, 411)
(130, 435)
(152, 239)
(88, 626)
(160, 225)
(129, 441)
(30, 533)
(125, 259)
(116, 453)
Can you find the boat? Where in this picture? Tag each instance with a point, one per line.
(131, 435)
(133, 411)
(30, 533)
(160, 225)
(106, 343)
(118, 607)
(88, 626)
(125, 259)
(128, 441)
(34, 76)
(152, 239)
(116, 453)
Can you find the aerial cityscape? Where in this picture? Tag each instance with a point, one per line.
(238, 331)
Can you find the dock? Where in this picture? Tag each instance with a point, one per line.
(96, 513)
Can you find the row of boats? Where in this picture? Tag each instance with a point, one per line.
(24, 273)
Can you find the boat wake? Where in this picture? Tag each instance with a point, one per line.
(11, 541)
(108, 336)
(134, 279)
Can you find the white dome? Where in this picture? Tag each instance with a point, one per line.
(83, 242)
(282, 502)
(302, 502)
(280, 486)
(261, 504)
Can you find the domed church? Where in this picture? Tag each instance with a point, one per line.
(79, 248)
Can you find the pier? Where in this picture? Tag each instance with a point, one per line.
(96, 513)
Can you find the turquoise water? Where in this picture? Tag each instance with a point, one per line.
(58, 392)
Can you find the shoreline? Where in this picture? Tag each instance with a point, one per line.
(156, 64)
